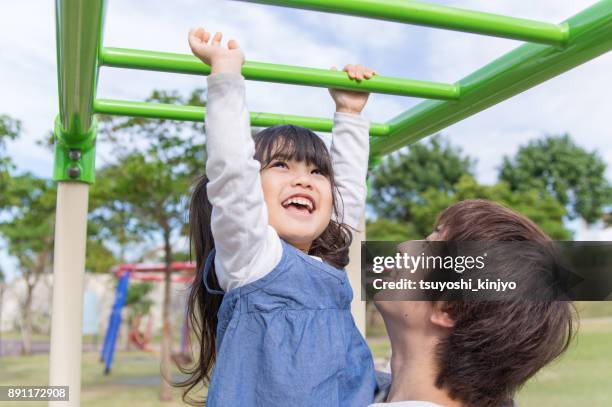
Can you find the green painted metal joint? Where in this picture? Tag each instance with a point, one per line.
(75, 157)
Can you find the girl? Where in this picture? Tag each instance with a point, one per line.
(271, 237)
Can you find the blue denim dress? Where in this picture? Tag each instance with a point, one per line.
(289, 339)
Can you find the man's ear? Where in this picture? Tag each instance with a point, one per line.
(440, 317)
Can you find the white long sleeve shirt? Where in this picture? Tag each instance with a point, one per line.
(247, 247)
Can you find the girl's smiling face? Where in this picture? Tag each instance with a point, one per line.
(298, 196)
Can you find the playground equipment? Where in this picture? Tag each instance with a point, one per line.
(139, 272)
(552, 50)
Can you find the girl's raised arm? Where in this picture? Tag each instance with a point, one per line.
(350, 147)
(247, 248)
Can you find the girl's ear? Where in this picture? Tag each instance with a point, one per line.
(439, 317)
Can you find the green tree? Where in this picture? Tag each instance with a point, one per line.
(397, 184)
(389, 230)
(2, 288)
(29, 232)
(410, 189)
(555, 165)
(111, 218)
(9, 130)
(98, 259)
(149, 187)
(543, 209)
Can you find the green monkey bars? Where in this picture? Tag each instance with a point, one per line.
(551, 50)
(556, 48)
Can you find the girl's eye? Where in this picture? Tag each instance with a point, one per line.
(280, 164)
(317, 171)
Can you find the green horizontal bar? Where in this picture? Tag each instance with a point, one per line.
(198, 114)
(509, 75)
(433, 15)
(259, 71)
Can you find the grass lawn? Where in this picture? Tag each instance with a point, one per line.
(134, 379)
(582, 377)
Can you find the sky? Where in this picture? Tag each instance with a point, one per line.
(573, 102)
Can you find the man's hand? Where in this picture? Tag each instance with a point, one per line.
(220, 59)
(348, 101)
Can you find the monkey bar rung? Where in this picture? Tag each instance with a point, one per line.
(260, 71)
(197, 113)
(434, 15)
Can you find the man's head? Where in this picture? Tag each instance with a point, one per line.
(484, 351)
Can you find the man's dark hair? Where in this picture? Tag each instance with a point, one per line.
(494, 347)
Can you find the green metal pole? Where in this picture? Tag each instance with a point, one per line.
(519, 70)
(198, 113)
(433, 15)
(79, 33)
(259, 71)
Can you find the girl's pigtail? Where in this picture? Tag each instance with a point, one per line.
(202, 307)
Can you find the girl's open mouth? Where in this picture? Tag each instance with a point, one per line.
(299, 205)
(300, 211)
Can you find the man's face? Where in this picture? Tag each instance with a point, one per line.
(393, 304)
(299, 200)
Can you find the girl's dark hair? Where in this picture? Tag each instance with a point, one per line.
(494, 347)
(284, 142)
